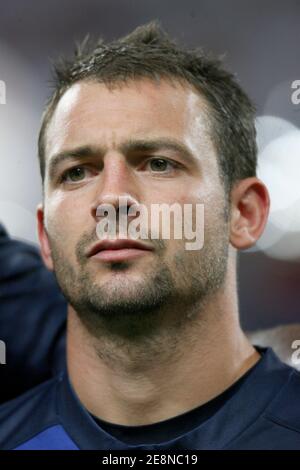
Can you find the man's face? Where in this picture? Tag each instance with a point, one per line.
(93, 156)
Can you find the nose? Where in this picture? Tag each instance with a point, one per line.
(117, 185)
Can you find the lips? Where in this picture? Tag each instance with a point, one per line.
(119, 249)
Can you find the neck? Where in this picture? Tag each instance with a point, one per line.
(137, 384)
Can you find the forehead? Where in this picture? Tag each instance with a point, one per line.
(90, 113)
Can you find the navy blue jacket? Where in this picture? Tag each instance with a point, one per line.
(263, 413)
(32, 318)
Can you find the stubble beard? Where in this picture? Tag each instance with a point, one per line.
(152, 313)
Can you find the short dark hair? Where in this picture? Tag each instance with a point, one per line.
(148, 52)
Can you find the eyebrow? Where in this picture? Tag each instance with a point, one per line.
(130, 146)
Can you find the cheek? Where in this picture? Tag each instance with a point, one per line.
(66, 219)
(176, 192)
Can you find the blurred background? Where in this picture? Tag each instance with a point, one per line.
(261, 42)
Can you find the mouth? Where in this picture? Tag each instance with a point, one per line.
(118, 250)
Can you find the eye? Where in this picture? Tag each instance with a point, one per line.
(74, 175)
(160, 165)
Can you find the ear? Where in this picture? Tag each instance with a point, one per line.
(250, 205)
(43, 238)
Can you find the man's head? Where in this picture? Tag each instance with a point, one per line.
(144, 118)
(149, 53)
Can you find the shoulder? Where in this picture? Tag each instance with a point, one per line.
(284, 410)
(277, 427)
